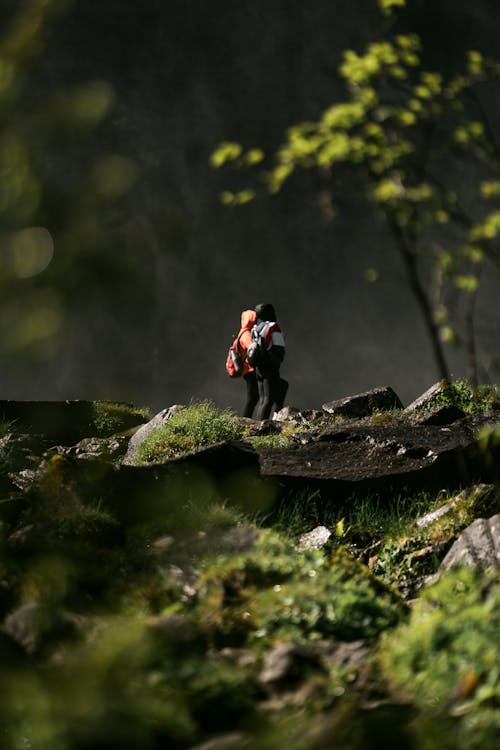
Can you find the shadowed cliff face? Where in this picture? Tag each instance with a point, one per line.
(152, 324)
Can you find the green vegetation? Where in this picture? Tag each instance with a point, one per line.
(462, 394)
(195, 426)
(110, 418)
(274, 592)
(282, 438)
(445, 659)
(145, 615)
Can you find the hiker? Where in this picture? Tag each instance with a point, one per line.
(269, 340)
(248, 320)
(237, 364)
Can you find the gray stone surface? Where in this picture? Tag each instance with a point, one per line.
(315, 539)
(441, 415)
(478, 545)
(425, 398)
(364, 404)
(480, 494)
(137, 439)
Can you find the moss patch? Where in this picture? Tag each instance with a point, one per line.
(445, 659)
(275, 592)
(111, 417)
(196, 426)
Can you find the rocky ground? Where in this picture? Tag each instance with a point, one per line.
(255, 591)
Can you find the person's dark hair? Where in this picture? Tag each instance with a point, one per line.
(265, 311)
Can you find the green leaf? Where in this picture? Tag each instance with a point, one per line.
(468, 283)
(226, 151)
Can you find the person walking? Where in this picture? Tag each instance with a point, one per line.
(272, 387)
(248, 320)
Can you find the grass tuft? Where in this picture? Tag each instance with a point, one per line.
(196, 426)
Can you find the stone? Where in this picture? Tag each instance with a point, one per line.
(107, 449)
(315, 539)
(287, 663)
(441, 415)
(478, 545)
(296, 417)
(23, 626)
(425, 399)
(364, 404)
(137, 439)
(482, 495)
(362, 455)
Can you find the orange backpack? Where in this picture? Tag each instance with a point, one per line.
(234, 360)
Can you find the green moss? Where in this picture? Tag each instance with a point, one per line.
(445, 659)
(111, 417)
(462, 395)
(273, 591)
(196, 426)
(283, 438)
(417, 551)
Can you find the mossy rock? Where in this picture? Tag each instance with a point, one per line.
(445, 660)
(420, 550)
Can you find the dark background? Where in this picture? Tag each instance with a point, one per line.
(150, 320)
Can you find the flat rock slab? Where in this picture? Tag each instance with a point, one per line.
(400, 452)
(137, 493)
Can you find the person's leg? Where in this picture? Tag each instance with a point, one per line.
(265, 398)
(269, 395)
(281, 391)
(252, 394)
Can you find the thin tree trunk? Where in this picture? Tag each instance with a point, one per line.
(470, 342)
(423, 302)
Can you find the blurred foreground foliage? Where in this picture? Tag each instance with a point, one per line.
(141, 607)
(59, 198)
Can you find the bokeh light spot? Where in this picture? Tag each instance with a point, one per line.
(31, 250)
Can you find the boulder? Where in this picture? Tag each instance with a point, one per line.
(137, 439)
(398, 452)
(136, 493)
(478, 545)
(364, 404)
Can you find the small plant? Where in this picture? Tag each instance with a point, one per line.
(413, 550)
(281, 439)
(382, 516)
(446, 660)
(196, 426)
(462, 395)
(273, 592)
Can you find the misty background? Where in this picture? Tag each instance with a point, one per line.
(145, 309)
